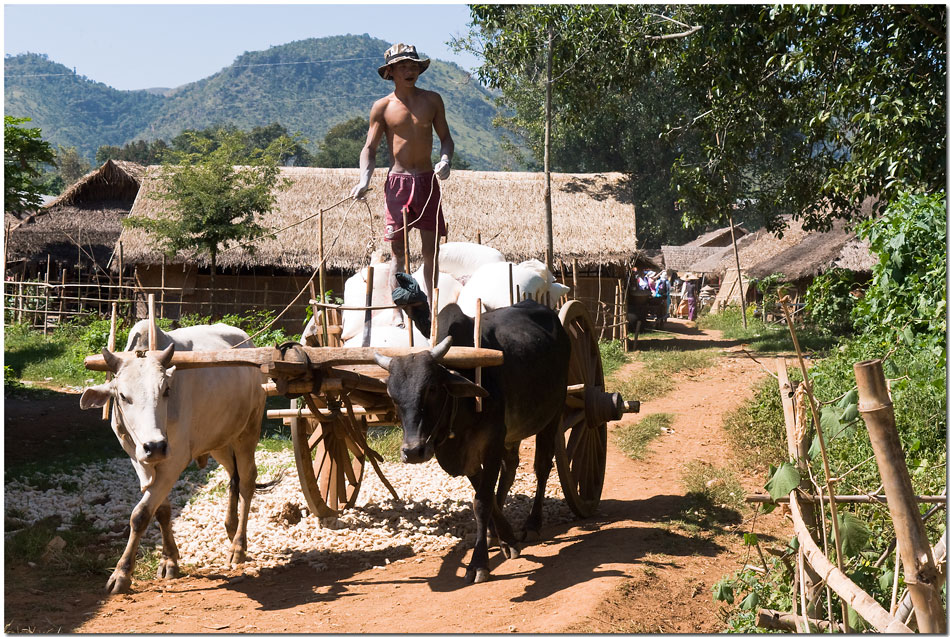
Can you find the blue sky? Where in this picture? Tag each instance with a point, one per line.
(136, 46)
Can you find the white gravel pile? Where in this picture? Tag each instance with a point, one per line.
(434, 513)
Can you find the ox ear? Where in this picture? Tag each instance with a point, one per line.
(112, 361)
(165, 356)
(440, 350)
(169, 374)
(461, 387)
(95, 396)
(383, 361)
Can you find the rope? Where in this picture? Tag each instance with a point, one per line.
(316, 271)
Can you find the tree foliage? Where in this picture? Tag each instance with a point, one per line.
(342, 145)
(719, 110)
(24, 151)
(216, 191)
(71, 164)
(140, 151)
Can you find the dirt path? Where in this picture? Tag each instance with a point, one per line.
(631, 568)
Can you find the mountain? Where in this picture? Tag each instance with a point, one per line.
(308, 86)
(71, 109)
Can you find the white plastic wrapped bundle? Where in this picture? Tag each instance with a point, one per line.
(354, 295)
(390, 336)
(461, 259)
(490, 283)
(449, 287)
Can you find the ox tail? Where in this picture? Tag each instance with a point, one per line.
(262, 487)
(268, 486)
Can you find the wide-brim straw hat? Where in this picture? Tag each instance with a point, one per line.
(399, 52)
(689, 276)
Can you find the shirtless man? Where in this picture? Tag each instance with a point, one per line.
(407, 116)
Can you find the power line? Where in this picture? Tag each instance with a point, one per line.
(233, 66)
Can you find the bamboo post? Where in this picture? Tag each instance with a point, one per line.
(511, 285)
(161, 305)
(368, 313)
(478, 344)
(120, 270)
(105, 408)
(62, 295)
(829, 482)
(19, 302)
(798, 442)
(735, 249)
(152, 325)
(434, 331)
(920, 570)
(478, 237)
(574, 276)
(46, 299)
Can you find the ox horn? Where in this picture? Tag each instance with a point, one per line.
(165, 356)
(440, 350)
(382, 360)
(112, 361)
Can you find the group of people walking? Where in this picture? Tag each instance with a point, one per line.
(662, 286)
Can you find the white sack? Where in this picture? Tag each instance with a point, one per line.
(449, 288)
(354, 295)
(461, 259)
(389, 336)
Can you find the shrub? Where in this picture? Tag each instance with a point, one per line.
(829, 302)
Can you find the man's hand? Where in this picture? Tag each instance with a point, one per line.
(359, 190)
(442, 168)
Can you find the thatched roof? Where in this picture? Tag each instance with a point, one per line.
(682, 258)
(89, 213)
(718, 238)
(797, 255)
(593, 219)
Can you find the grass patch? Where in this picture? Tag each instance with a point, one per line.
(756, 429)
(85, 551)
(634, 439)
(766, 337)
(660, 365)
(718, 485)
(612, 356)
(387, 441)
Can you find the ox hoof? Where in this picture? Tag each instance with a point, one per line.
(119, 583)
(510, 551)
(476, 575)
(238, 556)
(168, 570)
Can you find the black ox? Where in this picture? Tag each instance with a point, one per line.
(523, 397)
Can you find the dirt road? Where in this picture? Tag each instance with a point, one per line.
(631, 568)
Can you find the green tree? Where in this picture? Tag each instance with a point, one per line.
(212, 203)
(24, 151)
(763, 110)
(248, 144)
(342, 144)
(139, 151)
(71, 164)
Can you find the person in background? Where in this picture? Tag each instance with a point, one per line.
(662, 290)
(689, 293)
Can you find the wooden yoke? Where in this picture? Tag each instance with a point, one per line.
(457, 357)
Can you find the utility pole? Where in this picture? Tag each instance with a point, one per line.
(549, 228)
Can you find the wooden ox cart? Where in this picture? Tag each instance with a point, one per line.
(344, 394)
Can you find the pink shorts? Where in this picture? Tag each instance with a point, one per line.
(418, 195)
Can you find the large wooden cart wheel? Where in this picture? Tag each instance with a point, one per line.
(580, 448)
(329, 463)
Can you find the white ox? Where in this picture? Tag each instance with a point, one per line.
(166, 418)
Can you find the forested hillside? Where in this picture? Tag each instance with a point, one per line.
(73, 110)
(308, 86)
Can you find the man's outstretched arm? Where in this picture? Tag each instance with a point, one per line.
(447, 149)
(377, 127)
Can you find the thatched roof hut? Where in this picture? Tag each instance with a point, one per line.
(797, 254)
(706, 246)
(86, 217)
(593, 219)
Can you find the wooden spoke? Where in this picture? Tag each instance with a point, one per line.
(329, 461)
(581, 445)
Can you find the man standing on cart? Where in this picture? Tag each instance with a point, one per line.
(413, 197)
